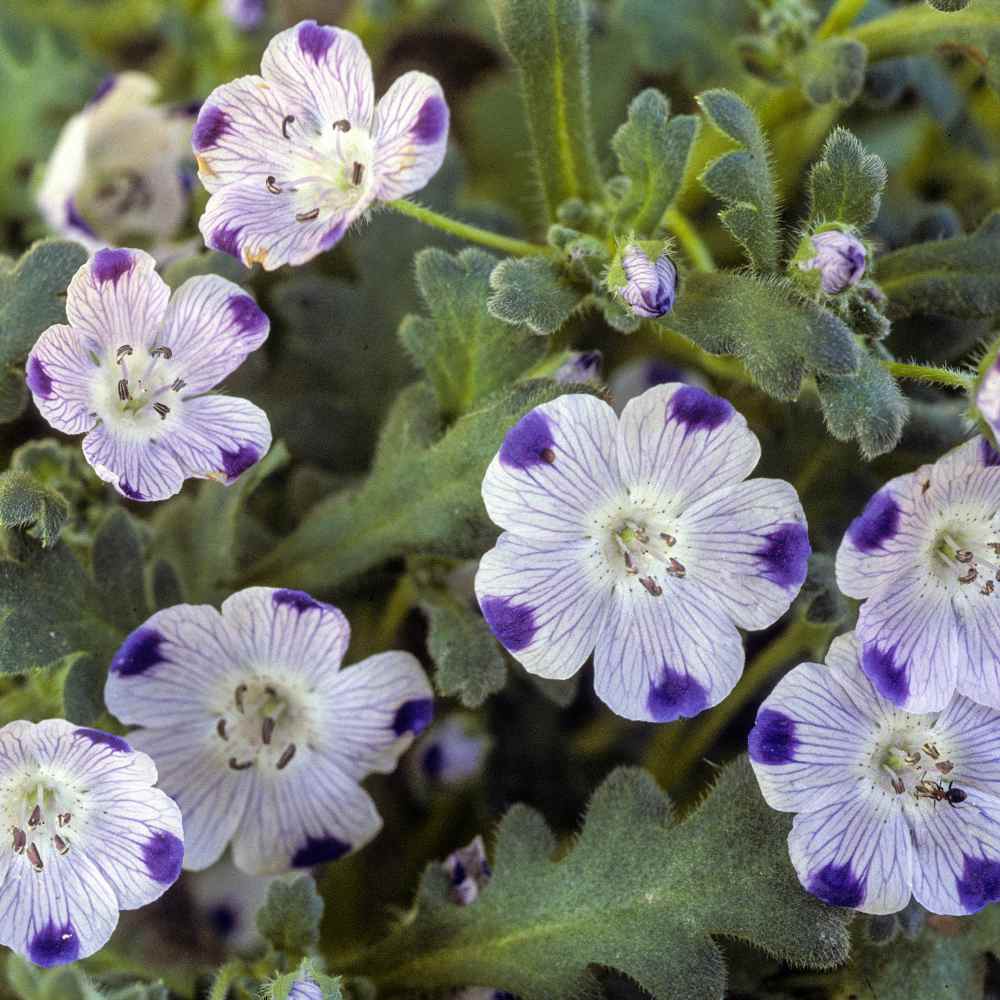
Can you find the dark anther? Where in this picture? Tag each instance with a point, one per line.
(162, 352)
(123, 392)
(676, 568)
(238, 765)
(629, 563)
(238, 695)
(342, 126)
(35, 858)
(357, 173)
(123, 352)
(178, 384)
(287, 754)
(669, 539)
(270, 691)
(913, 757)
(652, 587)
(931, 750)
(285, 122)
(969, 575)
(267, 729)
(162, 409)
(987, 588)
(60, 845)
(995, 546)
(272, 186)
(945, 766)
(547, 455)
(20, 840)
(306, 216)
(64, 818)
(963, 555)
(35, 819)
(898, 786)
(220, 728)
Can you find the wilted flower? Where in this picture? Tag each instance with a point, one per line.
(647, 283)
(133, 372)
(468, 872)
(258, 734)
(293, 157)
(839, 258)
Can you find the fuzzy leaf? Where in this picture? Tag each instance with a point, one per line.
(527, 291)
(949, 6)
(291, 916)
(742, 179)
(24, 503)
(833, 70)
(465, 352)
(820, 601)
(83, 691)
(116, 560)
(634, 876)
(846, 184)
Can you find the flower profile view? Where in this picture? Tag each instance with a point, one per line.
(638, 540)
(133, 368)
(258, 734)
(890, 803)
(294, 156)
(86, 833)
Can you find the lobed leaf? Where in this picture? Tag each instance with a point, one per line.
(24, 503)
(528, 291)
(291, 916)
(846, 184)
(833, 70)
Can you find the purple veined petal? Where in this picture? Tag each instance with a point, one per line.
(747, 547)
(971, 734)
(666, 657)
(988, 397)
(314, 814)
(305, 989)
(544, 601)
(257, 227)
(138, 469)
(555, 468)
(979, 646)
(374, 710)
(856, 852)
(118, 298)
(218, 437)
(976, 452)
(680, 443)
(61, 374)
(212, 325)
(324, 70)
(411, 135)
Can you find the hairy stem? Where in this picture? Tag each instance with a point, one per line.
(930, 373)
(841, 15)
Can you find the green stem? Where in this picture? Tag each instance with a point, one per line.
(464, 231)
(930, 373)
(224, 979)
(841, 15)
(694, 246)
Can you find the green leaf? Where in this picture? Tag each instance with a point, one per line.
(83, 691)
(291, 916)
(633, 876)
(742, 179)
(528, 291)
(820, 601)
(653, 150)
(833, 70)
(778, 336)
(846, 184)
(949, 6)
(212, 262)
(413, 423)
(955, 277)
(117, 563)
(465, 352)
(24, 503)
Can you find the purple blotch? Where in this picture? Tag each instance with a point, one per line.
(528, 443)
(226, 240)
(432, 121)
(772, 739)
(76, 220)
(698, 410)
(110, 265)
(316, 850)
(299, 600)
(836, 885)
(988, 455)
(235, 463)
(979, 884)
(888, 676)
(106, 739)
(413, 716)
(675, 695)
(138, 653)
(210, 128)
(785, 555)
(315, 40)
(878, 522)
(103, 88)
(163, 854)
(54, 945)
(247, 315)
(513, 624)
(38, 378)
(130, 491)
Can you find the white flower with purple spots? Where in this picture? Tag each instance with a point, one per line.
(294, 156)
(133, 371)
(924, 555)
(650, 284)
(258, 734)
(449, 755)
(227, 901)
(638, 541)
(987, 397)
(87, 835)
(838, 257)
(890, 803)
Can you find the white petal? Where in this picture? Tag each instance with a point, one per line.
(139, 469)
(969, 736)
(61, 373)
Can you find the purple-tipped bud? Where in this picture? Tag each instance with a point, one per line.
(581, 367)
(649, 288)
(839, 258)
(468, 871)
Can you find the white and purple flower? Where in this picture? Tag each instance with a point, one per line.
(449, 754)
(258, 734)
(638, 540)
(580, 367)
(987, 395)
(87, 835)
(294, 156)
(890, 803)
(650, 284)
(133, 371)
(228, 900)
(468, 872)
(924, 555)
(246, 15)
(839, 258)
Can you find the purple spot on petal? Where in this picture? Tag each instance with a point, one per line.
(130, 491)
(110, 265)
(316, 850)
(54, 945)
(210, 128)
(513, 624)
(785, 555)
(888, 676)
(299, 600)
(226, 240)
(772, 739)
(528, 443)
(235, 463)
(432, 121)
(315, 40)
(698, 410)
(979, 884)
(836, 885)
(879, 522)
(247, 315)
(675, 695)
(76, 220)
(988, 455)
(116, 743)
(103, 88)
(333, 235)
(163, 854)
(413, 716)
(38, 379)
(139, 652)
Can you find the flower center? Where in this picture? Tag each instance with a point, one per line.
(40, 821)
(647, 553)
(911, 761)
(258, 725)
(145, 382)
(968, 560)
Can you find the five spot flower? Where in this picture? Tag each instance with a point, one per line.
(258, 734)
(294, 156)
(638, 540)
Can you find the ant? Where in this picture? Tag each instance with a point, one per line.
(936, 791)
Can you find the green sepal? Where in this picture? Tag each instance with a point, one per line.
(529, 291)
(833, 70)
(618, 317)
(26, 503)
(291, 915)
(845, 185)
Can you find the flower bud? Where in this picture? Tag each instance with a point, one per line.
(468, 872)
(838, 256)
(986, 395)
(645, 278)
(580, 367)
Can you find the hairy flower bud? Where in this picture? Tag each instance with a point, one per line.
(645, 277)
(838, 256)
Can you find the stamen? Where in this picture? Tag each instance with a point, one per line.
(546, 454)
(287, 754)
(238, 695)
(963, 555)
(60, 845)
(239, 766)
(123, 352)
(897, 786)
(677, 568)
(35, 819)
(20, 840)
(270, 691)
(161, 352)
(220, 728)
(178, 384)
(285, 122)
(669, 539)
(629, 563)
(357, 173)
(35, 858)
(342, 126)
(945, 766)
(651, 586)
(931, 750)
(64, 818)
(969, 576)
(272, 186)
(306, 216)
(162, 409)
(995, 546)
(267, 729)
(987, 588)
(123, 393)
(913, 757)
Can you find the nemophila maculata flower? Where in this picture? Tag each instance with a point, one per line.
(646, 283)
(258, 734)
(451, 753)
(87, 835)
(638, 541)
(468, 872)
(133, 368)
(296, 155)
(890, 803)
(305, 989)
(580, 367)
(227, 901)
(838, 257)
(924, 555)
